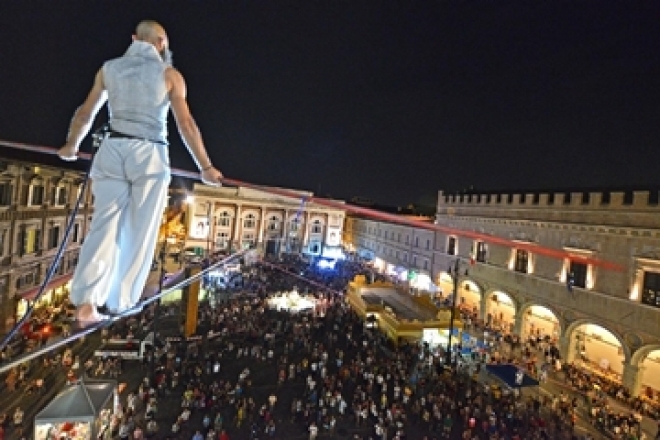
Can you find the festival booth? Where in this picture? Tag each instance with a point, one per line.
(81, 412)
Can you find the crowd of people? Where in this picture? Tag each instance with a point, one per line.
(272, 374)
(260, 373)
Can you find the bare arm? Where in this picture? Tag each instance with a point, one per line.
(190, 133)
(84, 116)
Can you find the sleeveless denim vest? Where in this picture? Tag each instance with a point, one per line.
(138, 100)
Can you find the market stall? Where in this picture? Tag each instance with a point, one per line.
(81, 412)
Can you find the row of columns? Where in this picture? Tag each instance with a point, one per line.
(236, 228)
(632, 373)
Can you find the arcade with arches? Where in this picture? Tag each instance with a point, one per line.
(597, 349)
(540, 322)
(469, 293)
(647, 360)
(469, 296)
(500, 310)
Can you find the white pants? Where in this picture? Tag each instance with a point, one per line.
(129, 183)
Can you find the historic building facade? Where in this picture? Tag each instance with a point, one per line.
(35, 203)
(606, 318)
(225, 219)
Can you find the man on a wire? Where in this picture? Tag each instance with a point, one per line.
(131, 171)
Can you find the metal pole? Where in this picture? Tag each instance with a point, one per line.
(452, 314)
(154, 328)
(208, 234)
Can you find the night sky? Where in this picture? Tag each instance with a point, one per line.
(386, 100)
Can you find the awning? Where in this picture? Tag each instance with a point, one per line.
(54, 283)
(507, 374)
(81, 402)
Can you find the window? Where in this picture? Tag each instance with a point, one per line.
(651, 289)
(54, 237)
(414, 260)
(224, 220)
(451, 245)
(405, 257)
(385, 235)
(62, 196)
(250, 221)
(73, 261)
(294, 225)
(480, 251)
(416, 241)
(61, 269)
(4, 284)
(58, 196)
(294, 244)
(522, 259)
(426, 264)
(428, 244)
(578, 271)
(29, 241)
(317, 227)
(36, 195)
(3, 237)
(407, 239)
(248, 241)
(75, 234)
(222, 240)
(25, 280)
(273, 223)
(315, 248)
(6, 192)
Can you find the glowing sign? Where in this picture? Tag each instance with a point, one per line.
(326, 264)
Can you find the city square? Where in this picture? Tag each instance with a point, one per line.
(385, 221)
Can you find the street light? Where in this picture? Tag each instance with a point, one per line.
(453, 272)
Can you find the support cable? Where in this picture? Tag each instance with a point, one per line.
(559, 254)
(97, 139)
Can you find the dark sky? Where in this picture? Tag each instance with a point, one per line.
(387, 100)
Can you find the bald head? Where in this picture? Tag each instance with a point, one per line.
(151, 31)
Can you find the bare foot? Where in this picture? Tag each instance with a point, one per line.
(86, 314)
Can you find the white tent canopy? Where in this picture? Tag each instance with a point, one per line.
(81, 402)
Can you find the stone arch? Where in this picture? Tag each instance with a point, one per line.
(467, 287)
(225, 209)
(494, 290)
(466, 279)
(498, 313)
(570, 330)
(642, 353)
(274, 215)
(647, 369)
(250, 211)
(529, 304)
